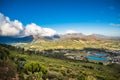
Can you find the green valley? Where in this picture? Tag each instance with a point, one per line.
(48, 60)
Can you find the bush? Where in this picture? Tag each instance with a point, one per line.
(19, 60)
(89, 67)
(53, 75)
(81, 76)
(35, 76)
(4, 53)
(35, 67)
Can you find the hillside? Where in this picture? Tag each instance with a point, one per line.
(72, 43)
(11, 39)
(51, 68)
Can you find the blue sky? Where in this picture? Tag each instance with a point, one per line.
(85, 16)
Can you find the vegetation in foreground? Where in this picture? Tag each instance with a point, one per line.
(18, 66)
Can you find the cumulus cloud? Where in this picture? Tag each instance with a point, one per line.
(15, 28)
(33, 29)
(3, 19)
(49, 32)
(9, 28)
(71, 31)
(114, 25)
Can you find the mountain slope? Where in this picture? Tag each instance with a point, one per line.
(9, 39)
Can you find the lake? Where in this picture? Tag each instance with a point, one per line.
(98, 57)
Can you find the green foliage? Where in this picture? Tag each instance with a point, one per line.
(8, 68)
(55, 67)
(35, 76)
(35, 68)
(81, 77)
(20, 60)
(90, 67)
(4, 53)
(90, 77)
(53, 75)
(63, 71)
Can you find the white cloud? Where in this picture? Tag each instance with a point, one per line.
(3, 19)
(49, 32)
(71, 31)
(15, 28)
(9, 28)
(33, 29)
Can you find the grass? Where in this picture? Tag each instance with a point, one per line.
(63, 69)
(74, 69)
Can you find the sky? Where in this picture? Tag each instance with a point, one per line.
(67, 16)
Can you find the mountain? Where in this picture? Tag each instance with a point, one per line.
(73, 35)
(54, 37)
(106, 37)
(77, 36)
(10, 39)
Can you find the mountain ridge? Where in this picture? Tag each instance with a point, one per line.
(11, 39)
(72, 36)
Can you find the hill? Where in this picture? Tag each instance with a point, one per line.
(72, 43)
(11, 39)
(70, 36)
(50, 67)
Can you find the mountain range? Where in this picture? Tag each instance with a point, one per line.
(74, 36)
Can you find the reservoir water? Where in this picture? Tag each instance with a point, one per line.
(98, 57)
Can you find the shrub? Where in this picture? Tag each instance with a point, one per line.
(81, 76)
(19, 60)
(4, 53)
(53, 75)
(35, 67)
(35, 76)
